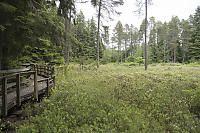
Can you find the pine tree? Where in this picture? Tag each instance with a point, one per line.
(118, 35)
(174, 31)
(194, 49)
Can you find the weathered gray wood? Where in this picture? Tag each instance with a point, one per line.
(18, 90)
(37, 69)
(48, 87)
(13, 84)
(52, 72)
(15, 70)
(41, 80)
(53, 82)
(35, 86)
(34, 67)
(4, 97)
(47, 71)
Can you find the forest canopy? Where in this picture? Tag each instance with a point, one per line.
(34, 32)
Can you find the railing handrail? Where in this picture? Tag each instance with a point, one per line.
(15, 70)
(29, 69)
(15, 76)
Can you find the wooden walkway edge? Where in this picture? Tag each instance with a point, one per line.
(20, 85)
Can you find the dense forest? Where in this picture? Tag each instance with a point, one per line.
(39, 32)
(33, 31)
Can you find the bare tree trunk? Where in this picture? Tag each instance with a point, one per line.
(1, 57)
(184, 54)
(121, 53)
(174, 55)
(118, 55)
(66, 23)
(131, 51)
(164, 54)
(68, 49)
(145, 36)
(134, 48)
(125, 52)
(99, 17)
(112, 53)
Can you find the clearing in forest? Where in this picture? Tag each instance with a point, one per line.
(121, 99)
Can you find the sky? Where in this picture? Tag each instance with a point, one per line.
(162, 10)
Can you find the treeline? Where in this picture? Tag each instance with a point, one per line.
(33, 31)
(40, 32)
(173, 41)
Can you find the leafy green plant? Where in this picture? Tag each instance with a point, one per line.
(131, 59)
(120, 99)
(2, 125)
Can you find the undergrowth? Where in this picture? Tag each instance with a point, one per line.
(121, 99)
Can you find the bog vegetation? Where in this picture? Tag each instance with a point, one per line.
(121, 99)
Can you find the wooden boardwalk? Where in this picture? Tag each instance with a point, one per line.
(24, 85)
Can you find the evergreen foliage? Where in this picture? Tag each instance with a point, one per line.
(194, 49)
(175, 41)
(33, 32)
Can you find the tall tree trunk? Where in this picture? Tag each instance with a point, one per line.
(145, 36)
(68, 48)
(131, 45)
(164, 58)
(134, 49)
(130, 52)
(118, 55)
(174, 55)
(66, 37)
(1, 57)
(125, 52)
(112, 53)
(99, 16)
(184, 54)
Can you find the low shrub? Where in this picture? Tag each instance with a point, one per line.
(121, 99)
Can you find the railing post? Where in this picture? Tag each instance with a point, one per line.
(47, 71)
(42, 70)
(52, 72)
(53, 76)
(48, 87)
(4, 97)
(37, 68)
(34, 67)
(18, 99)
(54, 82)
(35, 86)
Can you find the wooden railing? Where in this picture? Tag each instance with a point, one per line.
(22, 84)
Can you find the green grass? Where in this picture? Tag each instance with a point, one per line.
(121, 99)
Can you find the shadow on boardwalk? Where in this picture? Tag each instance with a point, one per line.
(24, 84)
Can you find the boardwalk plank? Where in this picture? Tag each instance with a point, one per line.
(26, 92)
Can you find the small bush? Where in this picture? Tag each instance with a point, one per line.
(121, 99)
(131, 59)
